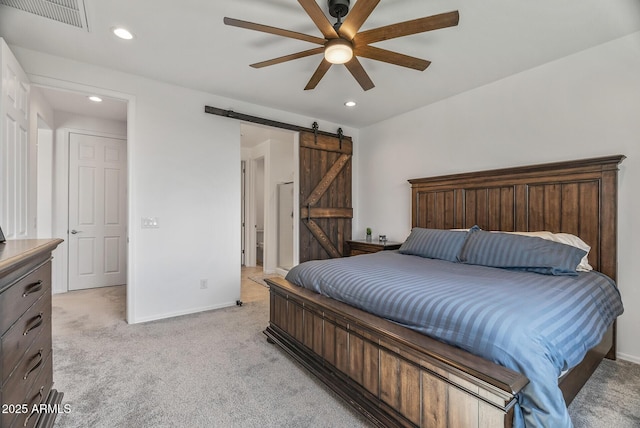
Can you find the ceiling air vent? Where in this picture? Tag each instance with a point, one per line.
(69, 12)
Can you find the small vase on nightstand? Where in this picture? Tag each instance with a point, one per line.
(368, 234)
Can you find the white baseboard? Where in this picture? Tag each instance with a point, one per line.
(627, 357)
(181, 313)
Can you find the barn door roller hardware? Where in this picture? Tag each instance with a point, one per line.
(315, 132)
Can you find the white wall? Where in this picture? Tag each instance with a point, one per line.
(79, 122)
(183, 169)
(281, 170)
(582, 106)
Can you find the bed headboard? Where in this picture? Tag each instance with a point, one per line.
(577, 197)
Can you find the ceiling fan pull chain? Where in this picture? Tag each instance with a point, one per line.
(315, 132)
(340, 135)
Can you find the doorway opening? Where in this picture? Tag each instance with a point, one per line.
(82, 183)
(271, 172)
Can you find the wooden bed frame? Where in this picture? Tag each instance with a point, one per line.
(397, 377)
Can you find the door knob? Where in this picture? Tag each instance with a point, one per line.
(73, 231)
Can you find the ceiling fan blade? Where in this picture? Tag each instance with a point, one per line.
(286, 58)
(356, 18)
(273, 30)
(318, 75)
(407, 28)
(319, 18)
(357, 71)
(390, 57)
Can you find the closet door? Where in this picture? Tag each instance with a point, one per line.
(14, 146)
(325, 196)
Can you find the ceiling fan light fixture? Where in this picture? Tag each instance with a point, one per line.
(344, 43)
(338, 51)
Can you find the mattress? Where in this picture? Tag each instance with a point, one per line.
(539, 325)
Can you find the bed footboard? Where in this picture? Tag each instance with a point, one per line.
(392, 375)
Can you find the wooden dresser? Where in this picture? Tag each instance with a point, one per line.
(26, 368)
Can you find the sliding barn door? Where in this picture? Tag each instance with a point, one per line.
(325, 196)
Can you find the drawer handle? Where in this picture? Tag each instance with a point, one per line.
(34, 323)
(32, 288)
(37, 399)
(36, 365)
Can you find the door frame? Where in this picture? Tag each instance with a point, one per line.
(243, 213)
(251, 207)
(61, 188)
(44, 159)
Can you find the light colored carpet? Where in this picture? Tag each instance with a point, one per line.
(611, 397)
(215, 369)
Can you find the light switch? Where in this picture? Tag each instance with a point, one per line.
(150, 223)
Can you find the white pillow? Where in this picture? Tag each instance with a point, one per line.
(568, 239)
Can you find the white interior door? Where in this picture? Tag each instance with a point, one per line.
(97, 211)
(14, 144)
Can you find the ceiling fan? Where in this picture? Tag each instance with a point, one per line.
(342, 42)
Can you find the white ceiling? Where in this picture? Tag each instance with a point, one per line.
(186, 43)
(73, 102)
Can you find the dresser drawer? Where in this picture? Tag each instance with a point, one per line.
(17, 298)
(36, 396)
(20, 380)
(26, 369)
(23, 333)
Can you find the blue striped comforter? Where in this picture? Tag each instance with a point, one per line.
(538, 325)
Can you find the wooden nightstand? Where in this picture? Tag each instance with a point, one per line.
(366, 247)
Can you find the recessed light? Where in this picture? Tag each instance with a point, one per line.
(350, 104)
(95, 99)
(123, 33)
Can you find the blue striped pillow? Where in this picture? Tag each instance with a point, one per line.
(434, 243)
(517, 252)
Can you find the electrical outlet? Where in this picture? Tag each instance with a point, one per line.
(204, 284)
